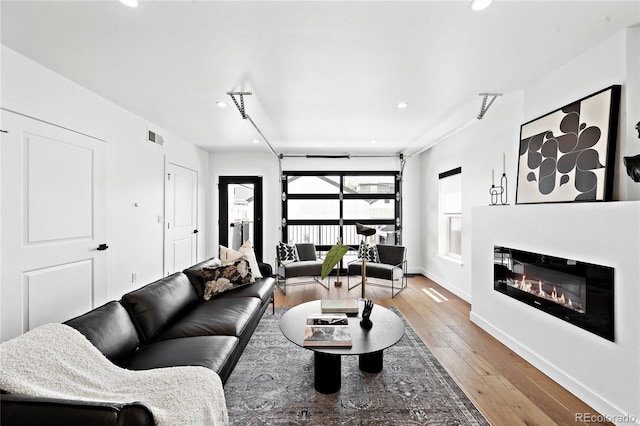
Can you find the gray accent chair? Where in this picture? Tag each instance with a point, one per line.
(392, 266)
(308, 265)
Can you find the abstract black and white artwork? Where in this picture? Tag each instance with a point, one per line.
(569, 154)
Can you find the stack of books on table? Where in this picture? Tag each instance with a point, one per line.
(327, 331)
(344, 306)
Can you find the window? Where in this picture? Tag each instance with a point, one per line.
(320, 207)
(450, 214)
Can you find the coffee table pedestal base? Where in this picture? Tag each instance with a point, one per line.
(371, 363)
(327, 372)
(327, 369)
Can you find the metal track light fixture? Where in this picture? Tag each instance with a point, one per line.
(487, 101)
(485, 106)
(238, 100)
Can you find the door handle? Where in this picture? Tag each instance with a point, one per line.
(102, 247)
(195, 231)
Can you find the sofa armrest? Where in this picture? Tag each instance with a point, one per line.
(25, 410)
(265, 269)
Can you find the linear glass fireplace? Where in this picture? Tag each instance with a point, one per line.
(577, 292)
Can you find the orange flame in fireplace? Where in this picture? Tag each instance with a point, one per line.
(561, 299)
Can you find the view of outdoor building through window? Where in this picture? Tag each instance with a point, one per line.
(321, 207)
(240, 214)
(450, 214)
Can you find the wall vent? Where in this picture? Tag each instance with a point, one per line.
(154, 137)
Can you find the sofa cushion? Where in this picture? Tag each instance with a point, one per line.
(377, 270)
(195, 274)
(206, 351)
(110, 329)
(228, 255)
(247, 251)
(226, 277)
(156, 305)
(262, 289)
(302, 269)
(225, 317)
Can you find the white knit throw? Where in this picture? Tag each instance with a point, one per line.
(57, 361)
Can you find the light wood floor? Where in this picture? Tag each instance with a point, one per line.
(506, 389)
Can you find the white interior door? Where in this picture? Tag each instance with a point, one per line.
(53, 221)
(181, 218)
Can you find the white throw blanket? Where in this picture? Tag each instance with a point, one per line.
(57, 361)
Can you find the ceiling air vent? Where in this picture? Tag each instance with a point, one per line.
(154, 137)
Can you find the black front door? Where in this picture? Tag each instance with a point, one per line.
(241, 212)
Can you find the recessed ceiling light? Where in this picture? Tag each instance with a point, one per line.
(479, 4)
(373, 141)
(255, 141)
(221, 104)
(402, 105)
(130, 3)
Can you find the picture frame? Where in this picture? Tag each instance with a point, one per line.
(568, 155)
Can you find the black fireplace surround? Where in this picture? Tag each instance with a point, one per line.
(577, 292)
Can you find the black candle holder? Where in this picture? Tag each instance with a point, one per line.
(499, 191)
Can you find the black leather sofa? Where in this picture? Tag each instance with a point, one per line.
(163, 324)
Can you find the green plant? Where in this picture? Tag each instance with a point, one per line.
(332, 258)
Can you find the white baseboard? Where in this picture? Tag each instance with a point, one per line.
(443, 283)
(608, 410)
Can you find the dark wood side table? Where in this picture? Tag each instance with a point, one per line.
(387, 330)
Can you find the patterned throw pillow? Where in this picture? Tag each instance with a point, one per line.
(287, 253)
(226, 277)
(369, 252)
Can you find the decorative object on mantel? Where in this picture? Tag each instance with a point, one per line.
(633, 167)
(569, 154)
(366, 314)
(633, 163)
(501, 190)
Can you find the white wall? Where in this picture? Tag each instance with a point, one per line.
(477, 149)
(614, 61)
(135, 167)
(243, 163)
(263, 163)
(604, 374)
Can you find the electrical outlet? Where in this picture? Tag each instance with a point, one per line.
(134, 277)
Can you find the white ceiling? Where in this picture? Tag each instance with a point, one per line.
(325, 76)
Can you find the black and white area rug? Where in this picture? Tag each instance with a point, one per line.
(272, 384)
